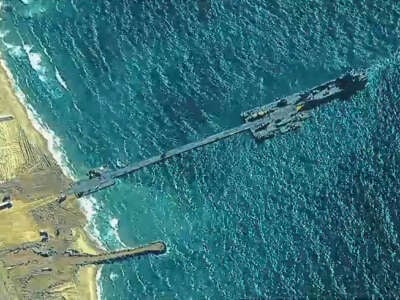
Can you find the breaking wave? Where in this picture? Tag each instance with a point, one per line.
(35, 60)
(60, 79)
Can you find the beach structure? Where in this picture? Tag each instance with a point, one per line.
(6, 205)
(41, 253)
(44, 236)
(4, 118)
(82, 259)
(61, 198)
(6, 197)
(264, 122)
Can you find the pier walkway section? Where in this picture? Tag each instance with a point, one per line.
(107, 179)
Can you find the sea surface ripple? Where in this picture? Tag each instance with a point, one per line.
(312, 213)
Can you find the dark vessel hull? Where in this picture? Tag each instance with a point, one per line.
(288, 113)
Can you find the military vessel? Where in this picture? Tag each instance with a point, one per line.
(267, 121)
(288, 113)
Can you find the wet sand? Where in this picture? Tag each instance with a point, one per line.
(31, 175)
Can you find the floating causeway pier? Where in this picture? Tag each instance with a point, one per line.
(264, 122)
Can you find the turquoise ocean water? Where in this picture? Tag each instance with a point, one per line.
(312, 213)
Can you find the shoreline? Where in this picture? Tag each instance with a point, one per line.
(54, 147)
(48, 143)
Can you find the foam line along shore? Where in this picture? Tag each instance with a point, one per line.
(49, 252)
(30, 156)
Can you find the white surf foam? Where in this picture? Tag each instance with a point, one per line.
(14, 50)
(114, 276)
(99, 286)
(60, 80)
(89, 206)
(114, 223)
(3, 33)
(35, 60)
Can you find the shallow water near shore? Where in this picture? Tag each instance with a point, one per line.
(311, 213)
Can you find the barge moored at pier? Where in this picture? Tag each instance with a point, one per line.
(264, 122)
(288, 113)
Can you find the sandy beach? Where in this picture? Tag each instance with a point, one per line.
(31, 175)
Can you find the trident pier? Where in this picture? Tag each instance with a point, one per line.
(276, 118)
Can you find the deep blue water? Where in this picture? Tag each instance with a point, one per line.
(311, 213)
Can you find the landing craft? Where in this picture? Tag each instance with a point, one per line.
(288, 113)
